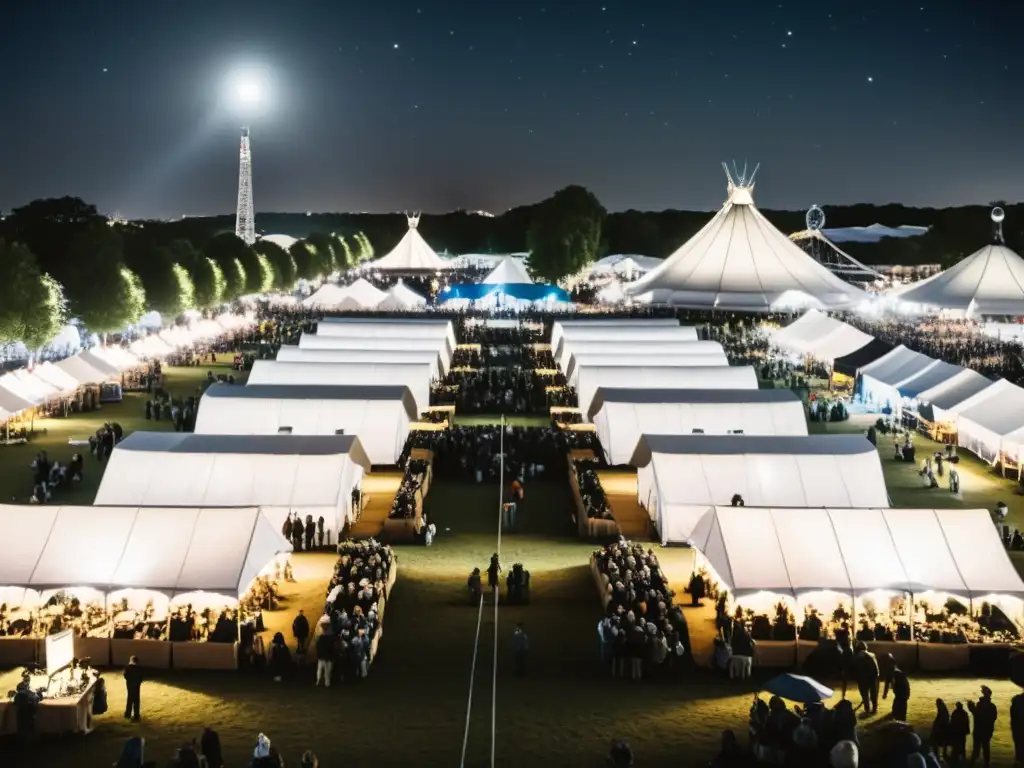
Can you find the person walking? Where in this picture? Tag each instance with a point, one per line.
(865, 666)
(493, 572)
(300, 630)
(900, 693)
(985, 715)
(520, 644)
(326, 652)
(133, 677)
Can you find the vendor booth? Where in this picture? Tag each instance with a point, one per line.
(294, 354)
(932, 587)
(706, 377)
(681, 477)
(938, 405)
(621, 416)
(378, 415)
(305, 474)
(416, 376)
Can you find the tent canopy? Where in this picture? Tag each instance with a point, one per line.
(81, 370)
(856, 551)
(943, 398)
(293, 354)
(316, 341)
(378, 415)
(415, 376)
(621, 416)
(994, 423)
(400, 296)
(166, 549)
(571, 336)
(850, 363)
(578, 362)
(412, 254)
(600, 321)
(703, 377)
(623, 349)
(930, 377)
(677, 353)
(740, 261)
(883, 377)
(820, 336)
(376, 331)
(988, 282)
(508, 272)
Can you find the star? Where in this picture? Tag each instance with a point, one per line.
(395, 46)
(789, 33)
(104, 69)
(871, 79)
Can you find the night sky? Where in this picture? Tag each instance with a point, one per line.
(479, 104)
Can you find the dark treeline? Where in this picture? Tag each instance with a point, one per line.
(954, 233)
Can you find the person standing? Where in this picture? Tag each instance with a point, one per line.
(939, 738)
(1017, 726)
(326, 652)
(493, 571)
(959, 730)
(900, 693)
(133, 678)
(985, 715)
(520, 644)
(865, 666)
(300, 630)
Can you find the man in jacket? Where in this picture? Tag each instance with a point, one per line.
(865, 666)
(900, 693)
(133, 678)
(300, 630)
(985, 715)
(326, 652)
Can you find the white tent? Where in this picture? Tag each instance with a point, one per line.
(365, 293)
(82, 371)
(624, 265)
(400, 296)
(622, 348)
(988, 282)
(994, 423)
(508, 272)
(930, 377)
(157, 548)
(54, 376)
(119, 357)
(820, 336)
(416, 376)
(306, 474)
(882, 378)
(857, 551)
(316, 341)
(11, 403)
(609, 322)
(378, 415)
(330, 296)
(713, 377)
(682, 477)
(581, 362)
(740, 261)
(621, 416)
(943, 400)
(26, 387)
(678, 353)
(375, 331)
(292, 354)
(412, 254)
(611, 334)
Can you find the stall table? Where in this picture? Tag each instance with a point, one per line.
(67, 714)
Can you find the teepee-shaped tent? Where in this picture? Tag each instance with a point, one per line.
(739, 261)
(508, 272)
(412, 254)
(365, 293)
(400, 296)
(988, 282)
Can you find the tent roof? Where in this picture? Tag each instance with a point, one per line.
(740, 261)
(508, 272)
(701, 353)
(898, 366)
(376, 331)
(293, 354)
(592, 360)
(955, 390)
(51, 374)
(167, 549)
(856, 550)
(821, 336)
(729, 445)
(700, 377)
(315, 392)
(329, 295)
(606, 395)
(928, 378)
(988, 282)
(852, 362)
(84, 372)
(13, 403)
(998, 410)
(573, 335)
(401, 296)
(262, 445)
(598, 321)
(412, 254)
(316, 341)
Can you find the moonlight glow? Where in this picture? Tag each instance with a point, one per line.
(247, 89)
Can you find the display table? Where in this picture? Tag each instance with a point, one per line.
(155, 654)
(17, 651)
(204, 655)
(68, 714)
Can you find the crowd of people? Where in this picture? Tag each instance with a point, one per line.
(207, 753)
(404, 505)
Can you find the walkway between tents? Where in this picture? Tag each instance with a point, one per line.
(379, 490)
(620, 488)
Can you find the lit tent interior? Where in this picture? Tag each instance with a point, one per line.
(622, 416)
(307, 474)
(681, 477)
(714, 377)
(378, 415)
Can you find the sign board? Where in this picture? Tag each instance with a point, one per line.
(60, 650)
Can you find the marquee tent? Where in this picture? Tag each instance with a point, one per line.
(621, 416)
(400, 296)
(84, 372)
(167, 549)
(581, 361)
(26, 387)
(740, 261)
(624, 265)
(599, 321)
(849, 364)
(682, 477)
(415, 376)
(820, 336)
(508, 272)
(307, 474)
(928, 378)
(381, 328)
(857, 551)
(988, 282)
(55, 377)
(623, 348)
(704, 377)
(315, 341)
(378, 415)
(941, 402)
(993, 423)
(882, 378)
(292, 354)
(611, 334)
(334, 297)
(10, 403)
(692, 352)
(412, 254)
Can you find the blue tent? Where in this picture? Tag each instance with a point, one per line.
(521, 291)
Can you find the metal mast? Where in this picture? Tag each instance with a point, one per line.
(245, 218)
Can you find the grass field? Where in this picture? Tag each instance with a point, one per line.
(413, 708)
(514, 420)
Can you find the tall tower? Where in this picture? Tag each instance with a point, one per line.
(245, 217)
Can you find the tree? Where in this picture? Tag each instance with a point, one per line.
(321, 244)
(118, 301)
(342, 253)
(48, 228)
(208, 280)
(365, 249)
(565, 234)
(303, 257)
(168, 286)
(281, 261)
(226, 249)
(32, 307)
(267, 274)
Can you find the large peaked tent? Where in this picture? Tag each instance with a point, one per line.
(157, 548)
(399, 297)
(509, 271)
(412, 254)
(306, 474)
(820, 336)
(681, 477)
(740, 261)
(378, 415)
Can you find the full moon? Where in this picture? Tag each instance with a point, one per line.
(246, 89)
